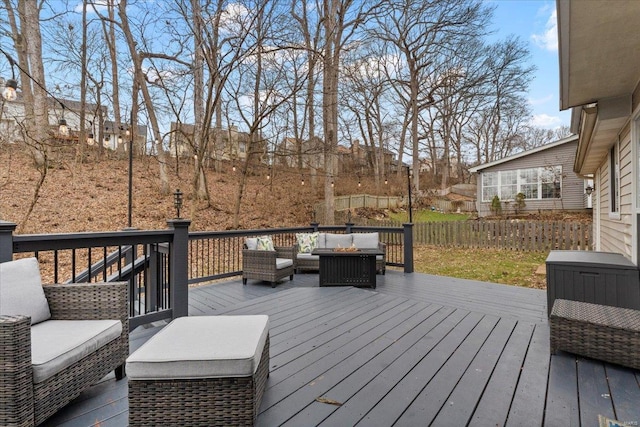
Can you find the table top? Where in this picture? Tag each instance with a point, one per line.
(333, 252)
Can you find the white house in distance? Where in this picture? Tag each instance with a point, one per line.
(599, 49)
(544, 175)
(12, 114)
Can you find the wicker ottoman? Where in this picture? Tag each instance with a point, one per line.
(602, 332)
(200, 371)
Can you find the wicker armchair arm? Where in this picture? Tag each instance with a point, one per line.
(89, 301)
(16, 383)
(253, 254)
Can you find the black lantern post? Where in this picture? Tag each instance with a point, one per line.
(409, 187)
(177, 202)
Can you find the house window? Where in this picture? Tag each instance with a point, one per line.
(614, 182)
(550, 179)
(534, 183)
(529, 183)
(508, 185)
(490, 185)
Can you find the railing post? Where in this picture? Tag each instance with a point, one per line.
(6, 240)
(408, 247)
(179, 267)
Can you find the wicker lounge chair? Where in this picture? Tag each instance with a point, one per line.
(267, 265)
(29, 396)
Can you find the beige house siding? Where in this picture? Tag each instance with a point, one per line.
(572, 186)
(616, 234)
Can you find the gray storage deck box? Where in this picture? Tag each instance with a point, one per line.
(596, 277)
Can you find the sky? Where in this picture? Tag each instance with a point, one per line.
(534, 21)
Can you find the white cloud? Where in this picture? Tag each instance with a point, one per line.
(545, 121)
(100, 6)
(540, 101)
(548, 39)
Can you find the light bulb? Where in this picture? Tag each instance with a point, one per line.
(63, 129)
(9, 93)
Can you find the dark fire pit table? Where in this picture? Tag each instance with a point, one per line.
(342, 268)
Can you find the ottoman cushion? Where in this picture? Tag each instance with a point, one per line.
(202, 347)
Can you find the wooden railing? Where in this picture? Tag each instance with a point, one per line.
(218, 254)
(505, 234)
(152, 261)
(160, 264)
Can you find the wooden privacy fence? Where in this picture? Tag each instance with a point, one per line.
(505, 234)
(364, 201)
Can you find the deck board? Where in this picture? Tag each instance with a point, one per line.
(419, 349)
(562, 395)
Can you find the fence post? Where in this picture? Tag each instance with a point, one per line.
(179, 267)
(6, 240)
(408, 247)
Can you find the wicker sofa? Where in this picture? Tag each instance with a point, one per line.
(306, 261)
(50, 354)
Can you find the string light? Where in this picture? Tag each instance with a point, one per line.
(233, 167)
(386, 181)
(10, 87)
(302, 181)
(63, 129)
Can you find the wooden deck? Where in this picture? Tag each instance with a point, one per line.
(418, 350)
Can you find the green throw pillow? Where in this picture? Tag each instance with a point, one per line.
(265, 243)
(307, 242)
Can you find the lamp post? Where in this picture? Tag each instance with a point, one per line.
(409, 188)
(129, 133)
(177, 202)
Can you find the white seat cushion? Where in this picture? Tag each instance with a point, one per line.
(202, 347)
(283, 263)
(57, 344)
(21, 290)
(308, 257)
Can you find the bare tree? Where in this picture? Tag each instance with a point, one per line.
(494, 130)
(340, 20)
(423, 32)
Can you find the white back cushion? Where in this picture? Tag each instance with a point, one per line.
(21, 290)
(365, 240)
(338, 240)
(252, 243)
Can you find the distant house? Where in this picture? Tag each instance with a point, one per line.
(544, 175)
(12, 114)
(361, 157)
(115, 138)
(307, 154)
(224, 144)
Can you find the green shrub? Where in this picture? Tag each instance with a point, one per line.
(496, 206)
(520, 204)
